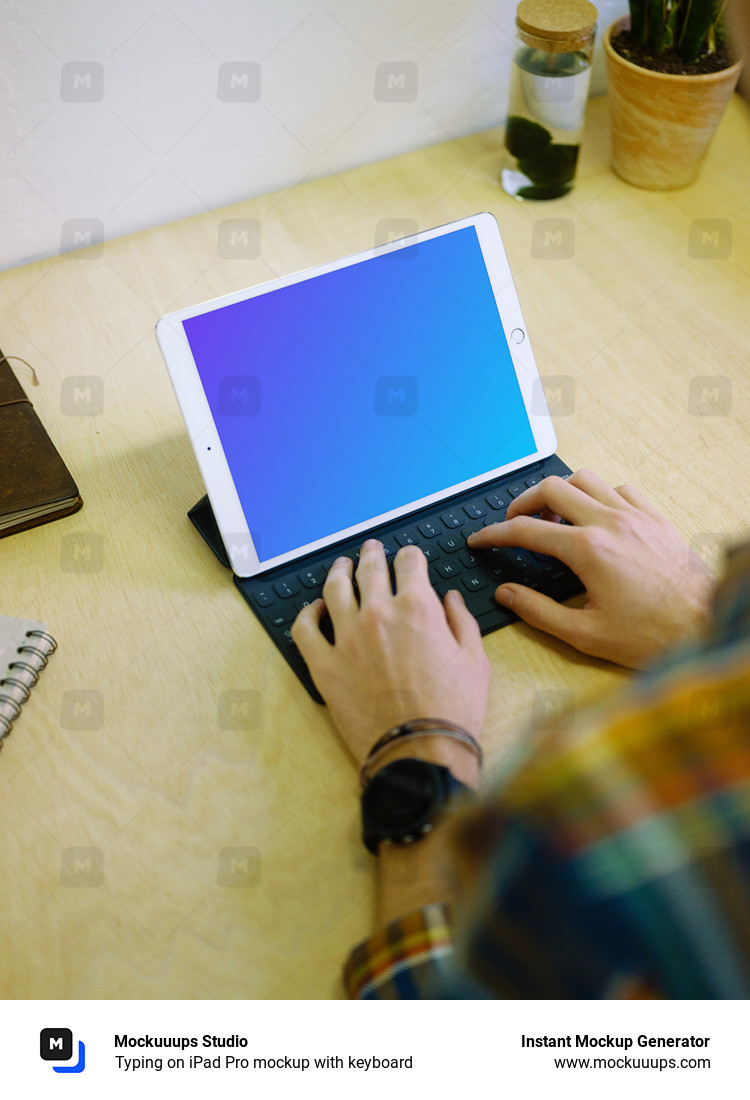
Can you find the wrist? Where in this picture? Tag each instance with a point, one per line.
(437, 749)
(434, 740)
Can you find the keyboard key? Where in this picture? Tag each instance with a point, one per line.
(475, 510)
(500, 574)
(468, 559)
(541, 557)
(480, 602)
(264, 597)
(329, 561)
(446, 569)
(406, 538)
(285, 614)
(305, 602)
(532, 481)
(452, 519)
(428, 529)
(497, 501)
(516, 490)
(287, 637)
(287, 588)
(312, 578)
(451, 543)
(520, 560)
(475, 581)
(430, 551)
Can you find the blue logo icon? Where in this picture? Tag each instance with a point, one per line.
(56, 1045)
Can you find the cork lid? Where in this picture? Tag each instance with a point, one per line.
(557, 20)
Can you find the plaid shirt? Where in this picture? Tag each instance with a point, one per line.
(614, 849)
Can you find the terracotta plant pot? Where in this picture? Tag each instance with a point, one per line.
(662, 124)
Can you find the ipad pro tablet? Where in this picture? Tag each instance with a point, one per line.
(390, 393)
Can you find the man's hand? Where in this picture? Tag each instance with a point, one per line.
(645, 590)
(395, 657)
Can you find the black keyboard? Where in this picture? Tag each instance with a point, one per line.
(440, 531)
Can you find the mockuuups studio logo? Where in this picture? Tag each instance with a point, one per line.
(82, 238)
(553, 238)
(239, 82)
(710, 239)
(239, 395)
(239, 238)
(399, 230)
(82, 82)
(56, 1045)
(396, 395)
(396, 82)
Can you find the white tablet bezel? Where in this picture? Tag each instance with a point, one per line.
(204, 435)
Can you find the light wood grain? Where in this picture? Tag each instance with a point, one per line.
(631, 320)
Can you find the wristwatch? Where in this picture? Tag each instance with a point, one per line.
(404, 799)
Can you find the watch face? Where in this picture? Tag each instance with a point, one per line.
(401, 794)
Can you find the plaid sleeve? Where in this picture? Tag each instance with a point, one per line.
(405, 960)
(621, 864)
(613, 851)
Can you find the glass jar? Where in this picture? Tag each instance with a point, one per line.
(549, 88)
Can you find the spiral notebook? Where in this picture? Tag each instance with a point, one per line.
(25, 647)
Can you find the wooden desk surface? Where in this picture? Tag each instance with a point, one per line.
(643, 333)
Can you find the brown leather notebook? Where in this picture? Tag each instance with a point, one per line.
(35, 484)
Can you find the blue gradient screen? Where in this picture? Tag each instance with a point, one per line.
(355, 392)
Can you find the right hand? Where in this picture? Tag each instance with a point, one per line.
(645, 589)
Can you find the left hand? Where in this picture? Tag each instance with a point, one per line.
(395, 657)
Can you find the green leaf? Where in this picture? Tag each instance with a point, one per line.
(700, 16)
(638, 20)
(670, 30)
(656, 19)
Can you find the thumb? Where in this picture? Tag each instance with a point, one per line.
(464, 626)
(541, 612)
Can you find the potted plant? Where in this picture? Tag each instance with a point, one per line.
(670, 74)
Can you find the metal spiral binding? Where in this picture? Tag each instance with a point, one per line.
(33, 671)
(20, 686)
(38, 652)
(51, 643)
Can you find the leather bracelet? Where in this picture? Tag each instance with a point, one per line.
(418, 727)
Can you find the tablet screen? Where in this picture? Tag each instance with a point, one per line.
(355, 392)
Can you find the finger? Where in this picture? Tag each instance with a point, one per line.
(638, 500)
(338, 591)
(559, 496)
(306, 632)
(464, 626)
(542, 612)
(410, 567)
(372, 572)
(538, 535)
(597, 488)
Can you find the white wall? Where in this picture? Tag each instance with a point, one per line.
(118, 116)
